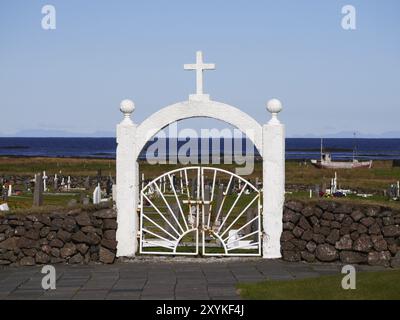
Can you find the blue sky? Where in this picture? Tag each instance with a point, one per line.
(73, 78)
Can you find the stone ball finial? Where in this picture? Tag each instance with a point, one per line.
(127, 107)
(274, 106)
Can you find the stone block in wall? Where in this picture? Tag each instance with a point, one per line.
(379, 243)
(379, 258)
(344, 209)
(292, 256)
(308, 211)
(357, 215)
(326, 253)
(363, 244)
(350, 257)
(294, 205)
(106, 256)
(368, 221)
(291, 216)
(391, 231)
(311, 246)
(333, 236)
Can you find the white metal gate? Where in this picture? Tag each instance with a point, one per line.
(206, 207)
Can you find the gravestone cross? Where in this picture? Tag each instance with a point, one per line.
(44, 181)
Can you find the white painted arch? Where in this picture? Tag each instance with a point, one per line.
(268, 138)
(195, 109)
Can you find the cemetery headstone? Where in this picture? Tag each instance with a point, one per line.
(114, 192)
(109, 187)
(99, 176)
(38, 191)
(207, 195)
(87, 183)
(44, 181)
(55, 182)
(97, 195)
(181, 180)
(216, 207)
(193, 188)
(251, 213)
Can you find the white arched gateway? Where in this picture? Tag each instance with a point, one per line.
(269, 139)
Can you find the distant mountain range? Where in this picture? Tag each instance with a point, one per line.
(105, 134)
(350, 134)
(58, 134)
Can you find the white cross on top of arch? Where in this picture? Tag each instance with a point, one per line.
(199, 66)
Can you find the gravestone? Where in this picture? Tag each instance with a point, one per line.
(45, 177)
(97, 194)
(193, 191)
(4, 193)
(55, 182)
(215, 209)
(114, 192)
(181, 181)
(87, 183)
(251, 213)
(207, 195)
(38, 191)
(109, 187)
(99, 176)
(231, 187)
(26, 185)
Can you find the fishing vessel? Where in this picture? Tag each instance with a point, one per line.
(326, 162)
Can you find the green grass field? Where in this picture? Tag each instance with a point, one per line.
(379, 177)
(298, 176)
(383, 285)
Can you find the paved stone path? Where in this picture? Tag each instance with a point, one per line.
(155, 279)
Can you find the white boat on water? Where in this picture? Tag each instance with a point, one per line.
(326, 162)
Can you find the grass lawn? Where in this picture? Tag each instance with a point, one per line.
(379, 177)
(25, 201)
(299, 177)
(382, 285)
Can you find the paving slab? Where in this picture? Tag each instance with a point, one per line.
(156, 279)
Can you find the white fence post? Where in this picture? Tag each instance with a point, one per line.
(127, 184)
(273, 181)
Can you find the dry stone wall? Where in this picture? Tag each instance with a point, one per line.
(324, 231)
(329, 231)
(76, 236)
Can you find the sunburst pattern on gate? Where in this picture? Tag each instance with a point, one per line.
(206, 207)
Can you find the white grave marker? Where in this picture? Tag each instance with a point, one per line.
(44, 181)
(97, 195)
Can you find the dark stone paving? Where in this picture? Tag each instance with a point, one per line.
(155, 279)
